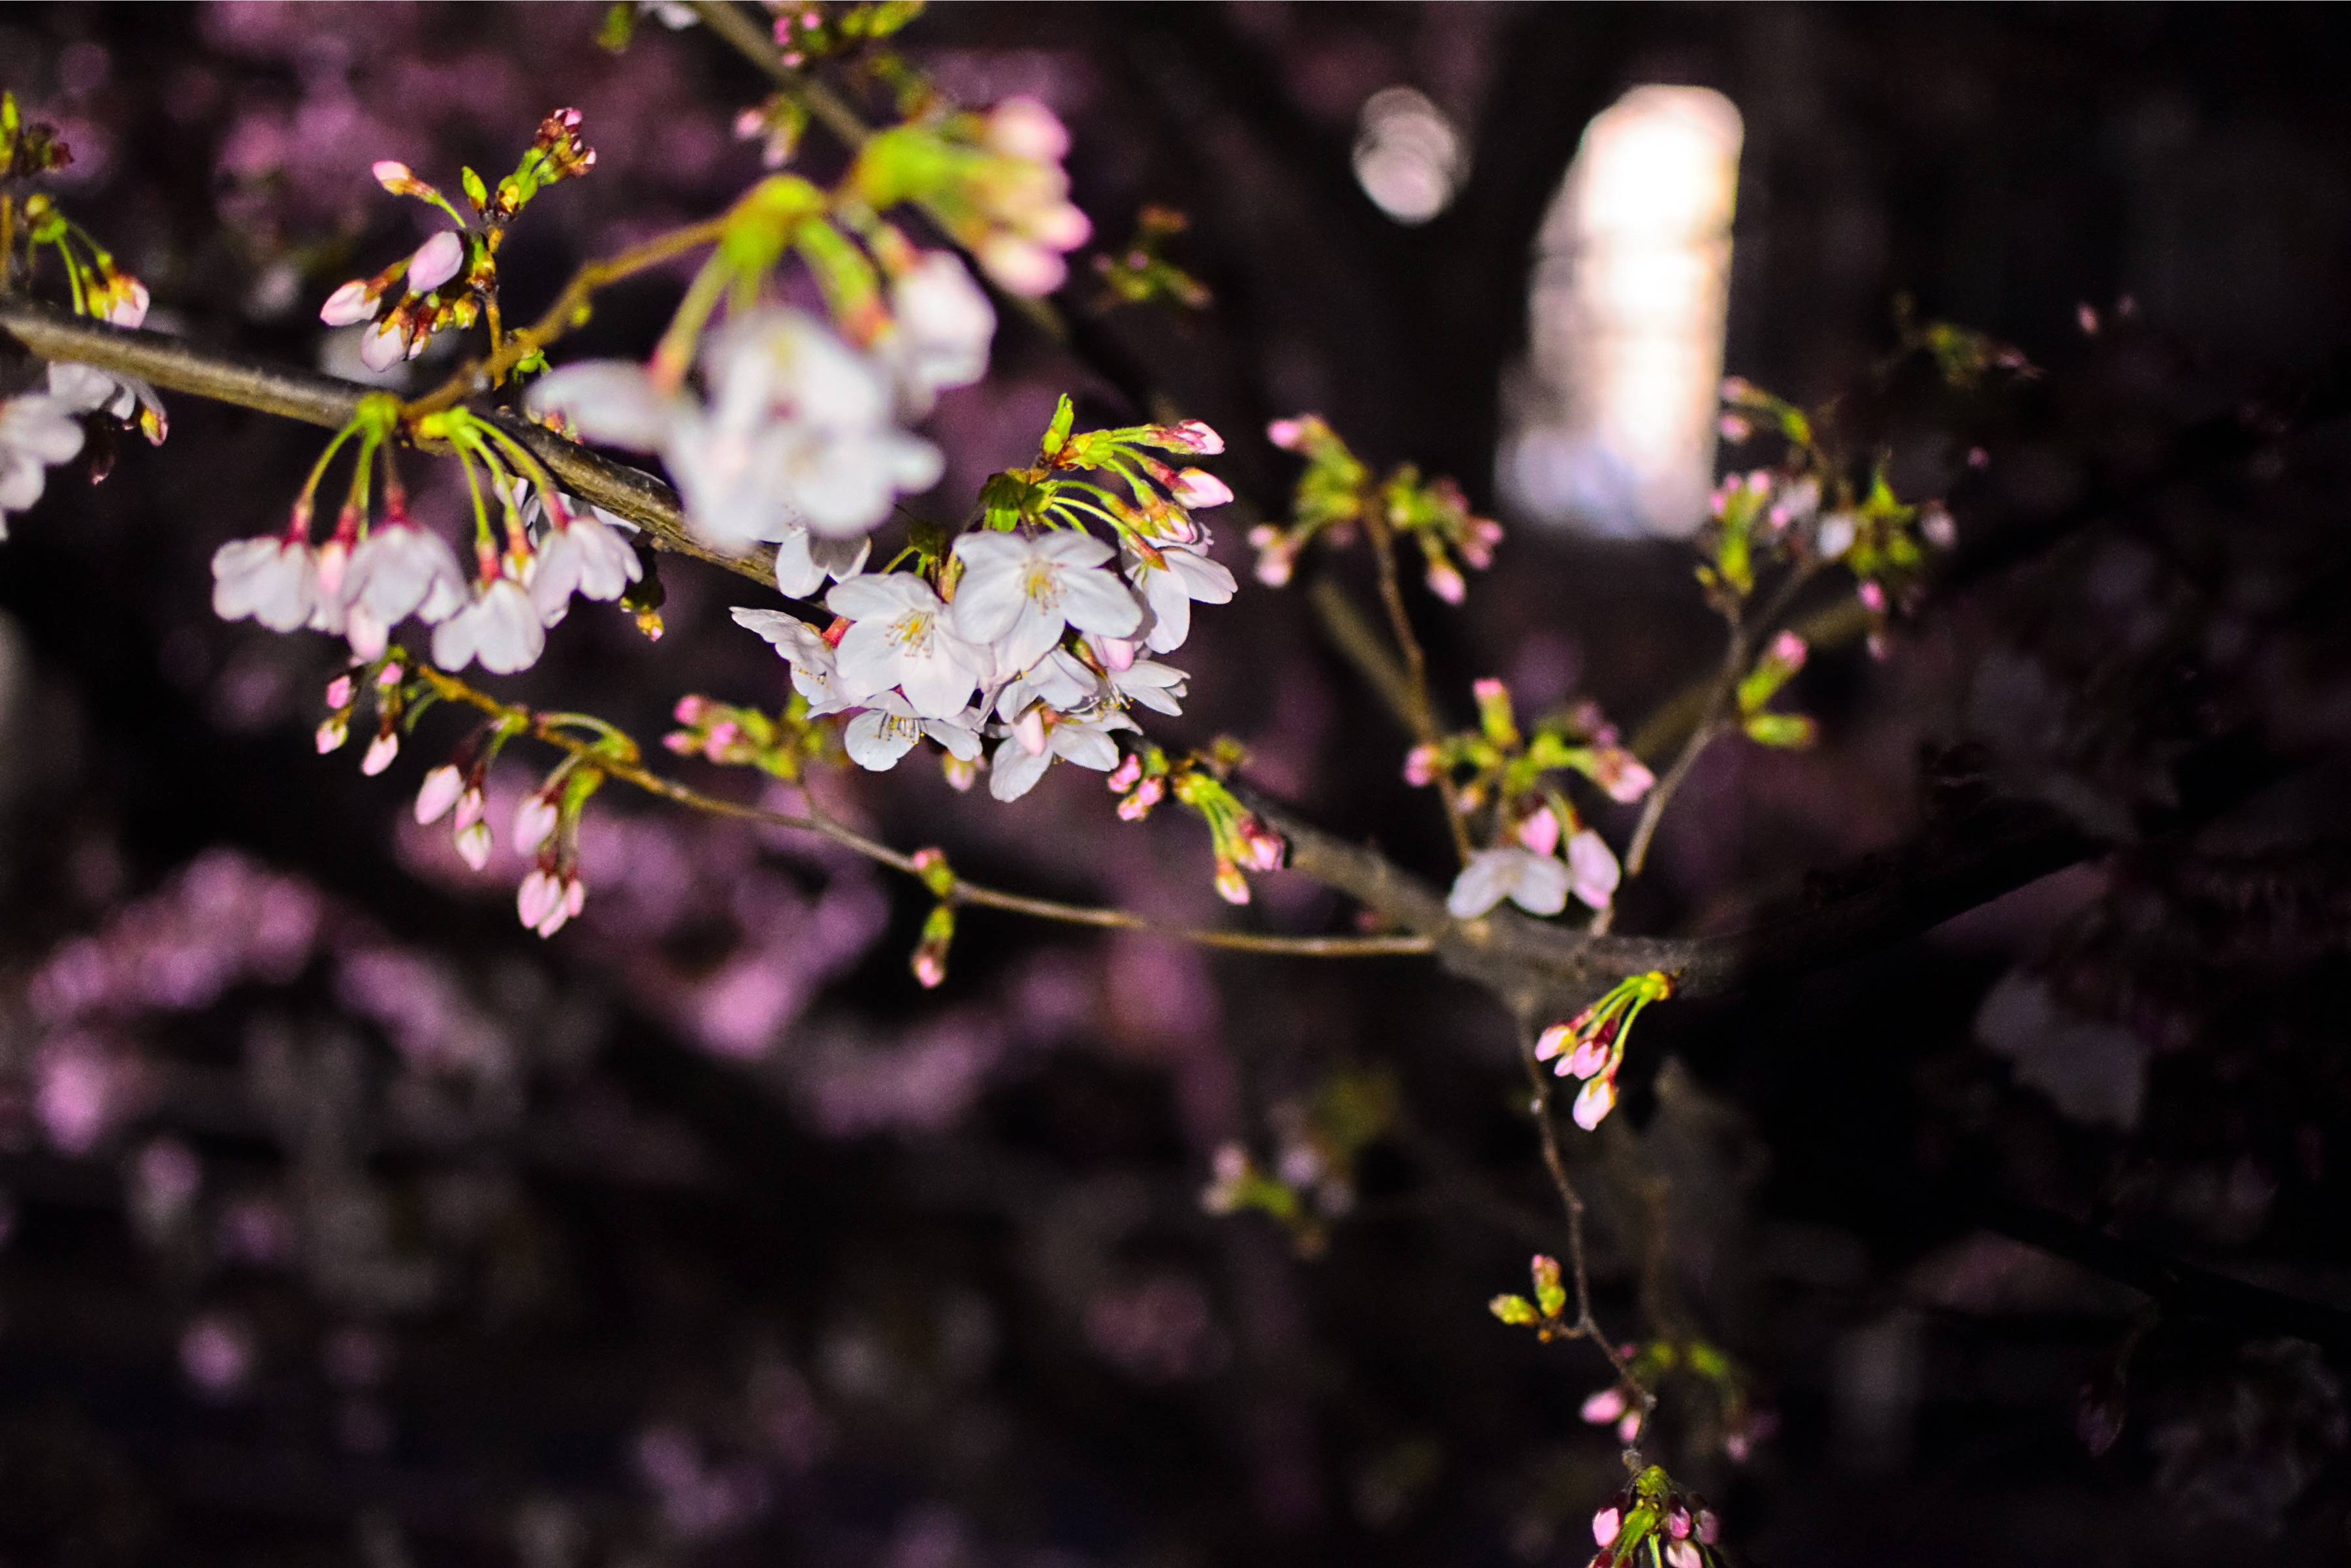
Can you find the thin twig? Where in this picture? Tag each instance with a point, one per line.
(1422, 713)
(1585, 1325)
(816, 821)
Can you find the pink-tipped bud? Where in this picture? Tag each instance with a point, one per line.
(1591, 1106)
(339, 692)
(1127, 774)
(471, 805)
(336, 730)
(1554, 1041)
(390, 675)
(1262, 849)
(1604, 1407)
(690, 709)
(1446, 582)
(384, 346)
(1231, 886)
(1191, 435)
(379, 753)
(1198, 488)
(1137, 806)
(1789, 649)
(541, 895)
(1622, 774)
(1872, 597)
(1024, 128)
(351, 304)
(474, 844)
(1606, 1524)
(436, 261)
(1421, 764)
(960, 775)
(1539, 833)
(393, 175)
(1709, 1528)
(1590, 1056)
(534, 819)
(1677, 1524)
(438, 793)
(1290, 434)
(1682, 1554)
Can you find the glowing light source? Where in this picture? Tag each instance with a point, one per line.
(1612, 422)
(1409, 158)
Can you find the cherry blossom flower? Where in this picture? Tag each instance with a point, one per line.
(37, 430)
(1594, 867)
(500, 627)
(797, 433)
(803, 647)
(585, 551)
(877, 738)
(1536, 884)
(1018, 594)
(1087, 741)
(899, 637)
(126, 400)
(275, 579)
(1169, 584)
(803, 561)
(942, 327)
(398, 571)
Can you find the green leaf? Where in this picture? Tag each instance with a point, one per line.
(1516, 1310)
(1549, 1293)
(1790, 731)
(619, 27)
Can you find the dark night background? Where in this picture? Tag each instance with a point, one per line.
(392, 1234)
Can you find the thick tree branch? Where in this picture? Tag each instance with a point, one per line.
(174, 364)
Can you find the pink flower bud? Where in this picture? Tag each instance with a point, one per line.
(1024, 128)
(1137, 806)
(1604, 1407)
(1421, 764)
(690, 709)
(1289, 434)
(352, 303)
(436, 261)
(1231, 886)
(1198, 488)
(1873, 596)
(1682, 1554)
(439, 792)
(540, 894)
(390, 675)
(1789, 649)
(534, 819)
(1191, 435)
(1590, 1056)
(383, 347)
(339, 692)
(1628, 1430)
(392, 174)
(1710, 1528)
(1446, 582)
(470, 807)
(1606, 1524)
(379, 753)
(1591, 1106)
(1678, 1523)
(1554, 1041)
(1539, 833)
(336, 730)
(474, 844)
(1127, 774)
(1117, 652)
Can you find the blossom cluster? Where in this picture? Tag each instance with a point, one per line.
(40, 430)
(1808, 512)
(447, 281)
(1023, 630)
(992, 180)
(1657, 1523)
(1336, 493)
(376, 569)
(1541, 849)
(1591, 1045)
